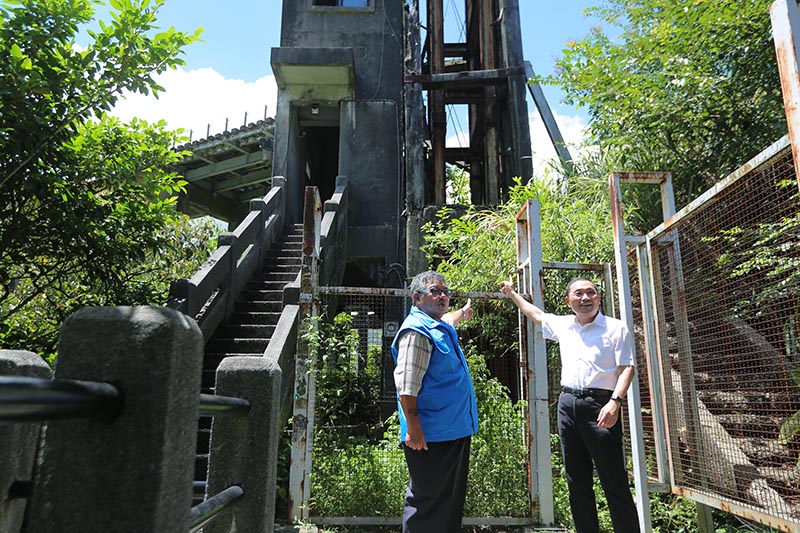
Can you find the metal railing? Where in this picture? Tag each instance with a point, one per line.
(124, 406)
(26, 399)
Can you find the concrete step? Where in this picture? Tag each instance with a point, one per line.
(245, 331)
(237, 345)
(285, 276)
(260, 306)
(255, 317)
(254, 291)
(282, 264)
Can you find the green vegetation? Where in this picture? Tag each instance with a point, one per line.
(88, 214)
(683, 86)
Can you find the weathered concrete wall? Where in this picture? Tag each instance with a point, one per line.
(374, 34)
(369, 155)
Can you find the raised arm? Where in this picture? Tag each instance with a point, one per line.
(463, 313)
(530, 310)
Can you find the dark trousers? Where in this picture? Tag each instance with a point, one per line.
(583, 442)
(437, 487)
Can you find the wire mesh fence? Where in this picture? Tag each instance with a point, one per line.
(725, 277)
(358, 466)
(718, 369)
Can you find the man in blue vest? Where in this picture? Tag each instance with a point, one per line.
(437, 408)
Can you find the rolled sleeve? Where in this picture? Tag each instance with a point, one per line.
(413, 356)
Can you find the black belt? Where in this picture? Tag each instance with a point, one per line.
(582, 393)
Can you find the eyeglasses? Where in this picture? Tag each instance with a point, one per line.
(436, 293)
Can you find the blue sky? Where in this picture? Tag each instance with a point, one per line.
(228, 74)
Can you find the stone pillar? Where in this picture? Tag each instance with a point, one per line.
(244, 450)
(134, 473)
(18, 439)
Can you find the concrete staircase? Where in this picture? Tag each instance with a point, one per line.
(249, 329)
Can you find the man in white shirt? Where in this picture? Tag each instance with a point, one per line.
(597, 367)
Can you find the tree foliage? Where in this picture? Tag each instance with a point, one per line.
(477, 251)
(86, 202)
(687, 86)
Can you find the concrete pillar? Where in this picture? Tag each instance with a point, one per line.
(134, 473)
(18, 439)
(244, 450)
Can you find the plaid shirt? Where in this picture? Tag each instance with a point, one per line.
(413, 356)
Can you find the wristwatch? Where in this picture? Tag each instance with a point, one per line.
(617, 399)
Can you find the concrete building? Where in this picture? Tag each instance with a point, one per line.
(363, 90)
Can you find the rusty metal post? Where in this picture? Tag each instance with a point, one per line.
(491, 143)
(517, 159)
(304, 386)
(533, 360)
(436, 102)
(634, 398)
(414, 138)
(786, 34)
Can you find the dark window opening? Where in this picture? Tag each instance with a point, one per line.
(340, 3)
(323, 158)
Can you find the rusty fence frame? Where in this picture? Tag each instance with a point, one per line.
(641, 247)
(302, 447)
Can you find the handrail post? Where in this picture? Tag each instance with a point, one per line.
(244, 450)
(262, 241)
(304, 387)
(135, 473)
(229, 286)
(180, 295)
(18, 439)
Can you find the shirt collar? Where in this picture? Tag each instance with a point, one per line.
(599, 320)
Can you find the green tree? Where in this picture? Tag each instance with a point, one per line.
(85, 200)
(457, 186)
(687, 86)
(477, 250)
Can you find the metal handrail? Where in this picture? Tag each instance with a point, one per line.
(205, 512)
(26, 399)
(37, 399)
(213, 405)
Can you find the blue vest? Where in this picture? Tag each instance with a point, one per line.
(446, 401)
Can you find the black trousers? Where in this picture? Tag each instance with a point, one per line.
(583, 443)
(437, 487)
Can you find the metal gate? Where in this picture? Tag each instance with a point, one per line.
(712, 296)
(354, 471)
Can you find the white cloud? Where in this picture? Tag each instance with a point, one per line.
(572, 130)
(202, 100)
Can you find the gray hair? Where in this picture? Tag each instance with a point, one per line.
(422, 279)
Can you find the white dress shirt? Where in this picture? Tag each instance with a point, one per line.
(592, 354)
